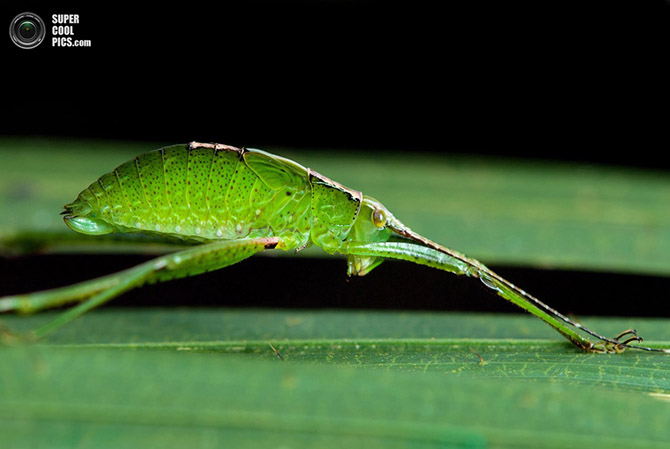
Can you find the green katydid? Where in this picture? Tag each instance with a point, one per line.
(238, 202)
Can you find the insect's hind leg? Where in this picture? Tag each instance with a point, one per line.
(33, 302)
(189, 262)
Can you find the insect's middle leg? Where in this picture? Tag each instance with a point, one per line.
(189, 262)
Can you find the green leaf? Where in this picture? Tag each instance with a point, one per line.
(272, 378)
(175, 378)
(481, 345)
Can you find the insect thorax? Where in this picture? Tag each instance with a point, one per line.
(334, 211)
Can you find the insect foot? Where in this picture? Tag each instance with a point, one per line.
(607, 347)
(622, 334)
(616, 346)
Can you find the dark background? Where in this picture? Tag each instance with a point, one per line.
(579, 81)
(582, 80)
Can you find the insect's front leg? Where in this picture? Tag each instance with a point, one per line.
(93, 293)
(430, 257)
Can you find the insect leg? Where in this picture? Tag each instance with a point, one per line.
(189, 262)
(430, 257)
(33, 302)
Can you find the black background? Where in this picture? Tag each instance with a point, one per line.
(576, 80)
(580, 81)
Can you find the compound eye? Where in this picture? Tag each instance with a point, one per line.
(379, 218)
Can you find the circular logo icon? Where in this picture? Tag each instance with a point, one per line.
(27, 30)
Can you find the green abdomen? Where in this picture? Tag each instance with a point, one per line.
(199, 191)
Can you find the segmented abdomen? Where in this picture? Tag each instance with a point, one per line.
(199, 190)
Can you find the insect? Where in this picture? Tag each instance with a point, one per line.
(238, 202)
